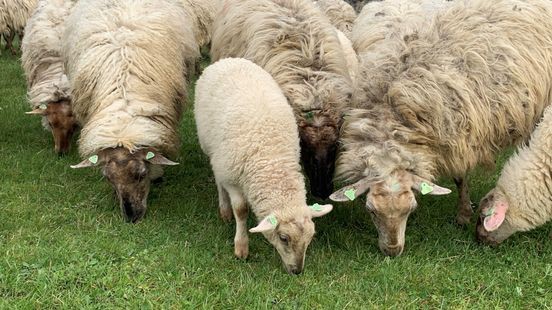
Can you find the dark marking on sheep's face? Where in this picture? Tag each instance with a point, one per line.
(59, 117)
(129, 175)
(319, 135)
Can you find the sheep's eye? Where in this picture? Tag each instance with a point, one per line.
(284, 238)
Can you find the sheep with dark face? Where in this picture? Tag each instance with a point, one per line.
(522, 198)
(126, 63)
(48, 89)
(473, 82)
(296, 44)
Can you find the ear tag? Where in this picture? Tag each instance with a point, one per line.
(489, 212)
(395, 187)
(309, 116)
(93, 159)
(350, 193)
(316, 207)
(272, 220)
(426, 188)
(150, 155)
(43, 106)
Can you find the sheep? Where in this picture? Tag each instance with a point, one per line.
(48, 87)
(248, 130)
(351, 56)
(522, 197)
(15, 15)
(296, 44)
(340, 13)
(125, 60)
(472, 83)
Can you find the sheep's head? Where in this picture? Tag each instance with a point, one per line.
(491, 227)
(291, 234)
(319, 107)
(58, 116)
(130, 175)
(390, 200)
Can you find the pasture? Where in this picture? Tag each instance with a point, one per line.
(64, 244)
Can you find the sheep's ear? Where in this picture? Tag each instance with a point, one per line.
(320, 210)
(158, 159)
(42, 109)
(426, 187)
(267, 224)
(495, 216)
(351, 192)
(89, 162)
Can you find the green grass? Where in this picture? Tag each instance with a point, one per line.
(63, 243)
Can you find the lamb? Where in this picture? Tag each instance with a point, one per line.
(125, 60)
(48, 87)
(296, 44)
(247, 129)
(15, 15)
(340, 13)
(522, 198)
(472, 83)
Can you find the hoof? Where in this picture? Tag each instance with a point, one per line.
(463, 220)
(241, 250)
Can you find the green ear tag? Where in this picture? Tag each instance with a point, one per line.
(350, 193)
(150, 155)
(316, 207)
(425, 188)
(273, 221)
(489, 212)
(93, 159)
(43, 106)
(309, 116)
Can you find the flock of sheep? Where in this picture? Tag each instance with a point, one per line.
(386, 102)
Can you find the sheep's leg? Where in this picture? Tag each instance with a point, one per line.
(239, 206)
(9, 42)
(465, 210)
(225, 207)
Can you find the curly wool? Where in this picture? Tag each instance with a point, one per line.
(473, 82)
(126, 63)
(41, 53)
(294, 42)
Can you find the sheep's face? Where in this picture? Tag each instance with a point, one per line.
(130, 175)
(319, 133)
(390, 201)
(58, 116)
(291, 235)
(492, 225)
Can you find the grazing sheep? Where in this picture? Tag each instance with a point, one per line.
(248, 130)
(48, 88)
(522, 198)
(351, 56)
(472, 83)
(126, 60)
(15, 14)
(340, 13)
(296, 44)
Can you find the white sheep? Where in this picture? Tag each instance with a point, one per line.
(48, 89)
(247, 129)
(340, 13)
(522, 197)
(351, 56)
(294, 42)
(473, 82)
(126, 62)
(15, 14)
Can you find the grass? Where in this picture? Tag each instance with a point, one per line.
(63, 243)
